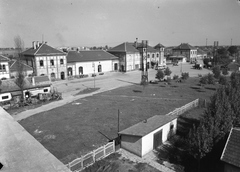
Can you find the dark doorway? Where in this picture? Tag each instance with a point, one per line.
(62, 75)
(69, 71)
(122, 68)
(80, 70)
(115, 66)
(157, 139)
(148, 65)
(99, 68)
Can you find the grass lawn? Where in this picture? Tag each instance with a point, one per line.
(74, 129)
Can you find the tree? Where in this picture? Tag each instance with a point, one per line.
(167, 71)
(216, 71)
(160, 74)
(199, 142)
(20, 75)
(233, 50)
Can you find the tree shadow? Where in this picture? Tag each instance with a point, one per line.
(185, 124)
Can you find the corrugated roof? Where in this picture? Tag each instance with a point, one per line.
(231, 152)
(43, 49)
(145, 127)
(184, 46)
(124, 47)
(13, 66)
(4, 58)
(86, 56)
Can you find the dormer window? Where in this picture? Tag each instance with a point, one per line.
(52, 62)
(41, 63)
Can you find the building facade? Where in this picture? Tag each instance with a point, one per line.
(184, 49)
(91, 62)
(46, 60)
(4, 67)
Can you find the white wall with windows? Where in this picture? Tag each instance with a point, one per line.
(84, 68)
(4, 70)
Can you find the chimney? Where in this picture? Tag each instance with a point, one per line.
(37, 44)
(34, 44)
(33, 81)
(136, 43)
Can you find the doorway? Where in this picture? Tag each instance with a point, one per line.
(62, 75)
(157, 139)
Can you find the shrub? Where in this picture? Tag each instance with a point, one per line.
(169, 79)
(210, 78)
(167, 71)
(204, 80)
(175, 77)
(216, 72)
(199, 75)
(223, 80)
(225, 71)
(160, 75)
(185, 75)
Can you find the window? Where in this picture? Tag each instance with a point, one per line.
(0, 67)
(61, 61)
(152, 55)
(171, 126)
(3, 67)
(4, 97)
(157, 55)
(52, 62)
(41, 63)
(148, 55)
(53, 75)
(45, 90)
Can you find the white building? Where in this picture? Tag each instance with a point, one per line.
(89, 62)
(4, 67)
(46, 60)
(145, 136)
(184, 49)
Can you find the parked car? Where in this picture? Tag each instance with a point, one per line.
(175, 63)
(161, 67)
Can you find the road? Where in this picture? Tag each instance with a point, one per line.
(108, 81)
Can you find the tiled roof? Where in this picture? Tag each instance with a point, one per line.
(13, 66)
(158, 46)
(145, 127)
(3, 58)
(91, 55)
(124, 47)
(231, 152)
(41, 79)
(184, 46)
(42, 50)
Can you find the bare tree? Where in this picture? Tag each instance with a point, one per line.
(20, 74)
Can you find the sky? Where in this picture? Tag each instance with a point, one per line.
(112, 22)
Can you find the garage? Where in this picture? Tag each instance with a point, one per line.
(149, 134)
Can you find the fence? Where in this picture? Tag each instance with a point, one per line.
(90, 158)
(184, 108)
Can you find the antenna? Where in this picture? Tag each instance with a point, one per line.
(42, 38)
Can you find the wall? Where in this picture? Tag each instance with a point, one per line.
(185, 53)
(4, 73)
(132, 144)
(132, 59)
(5, 94)
(47, 68)
(107, 66)
(147, 141)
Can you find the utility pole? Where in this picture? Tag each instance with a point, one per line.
(93, 65)
(231, 41)
(144, 61)
(206, 42)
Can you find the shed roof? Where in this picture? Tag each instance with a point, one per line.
(184, 46)
(43, 50)
(231, 152)
(3, 58)
(145, 127)
(14, 67)
(89, 55)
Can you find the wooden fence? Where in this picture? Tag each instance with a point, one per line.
(185, 108)
(84, 161)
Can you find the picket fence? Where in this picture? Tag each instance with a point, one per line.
(86, 160)
(185, 108)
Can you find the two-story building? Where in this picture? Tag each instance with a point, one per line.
(160, 56)
(184, 49)
(4, 67)
(129, 56)
(46, 60)
(91, 61)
